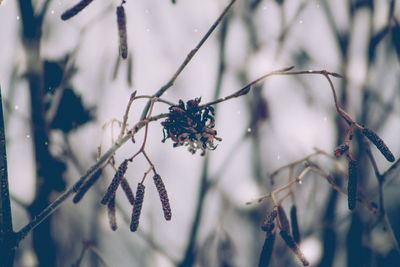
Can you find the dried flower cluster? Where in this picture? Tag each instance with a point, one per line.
(191, 125)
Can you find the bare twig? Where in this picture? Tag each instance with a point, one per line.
(188, 58)
(21, 234)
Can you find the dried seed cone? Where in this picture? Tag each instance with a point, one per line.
(128, 191)
(352, 185)
(119, 175)
(294, 224)
(123, 39)
(293, 246)
(340, 150)
(268, 224)
(85, 187)
(162, 192)
(75, 9)
(378, 142)
(111, 214)
(284, 224)
(137, 208)
(267, 249)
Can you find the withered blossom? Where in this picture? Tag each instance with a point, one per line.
(191, 125)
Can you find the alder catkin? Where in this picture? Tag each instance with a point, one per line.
(268, 224)
(284, 224)
(85, 187)
(111, 214)
(123, 37)
(352, 185)
(128, 191)
(115, 182)
(162, 192)
(137, 207)
(294, 224)
(378, 142)
(75, 9)
(293, 246)
(267, 250)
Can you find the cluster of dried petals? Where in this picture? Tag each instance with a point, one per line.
(191, 125)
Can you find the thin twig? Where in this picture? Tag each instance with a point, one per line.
(188, 58)
(21, 234)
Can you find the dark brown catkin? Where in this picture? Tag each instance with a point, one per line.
(162, 192)
(111, 214)
(137, 208)
(284, 224)
(75, 9)
(267, 250)
(128, 191)
(378, 142)
(85, 187)
(294, 224)
(352, 185)
(115, 182)
(293, 246)
(123, 37)
(268, 224)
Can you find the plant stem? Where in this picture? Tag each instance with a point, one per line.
(6, 229)
(188, 58)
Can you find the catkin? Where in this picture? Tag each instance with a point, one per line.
(123, 39)
(378, 142)
(268, 224)
(111, 214)
(85, 187)
(352, 185)
(293, 246)
(267, 249)
(128, 191)
(284, 224)
(75, 9)
(137, 208)
(162, 192)
(115, 182)
(294, 224)
(340, 150)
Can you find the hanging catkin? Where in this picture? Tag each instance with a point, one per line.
(75, 9)
(115, 182)
(162, 192)
(137, 208)
(123, 38)
(378, 142)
